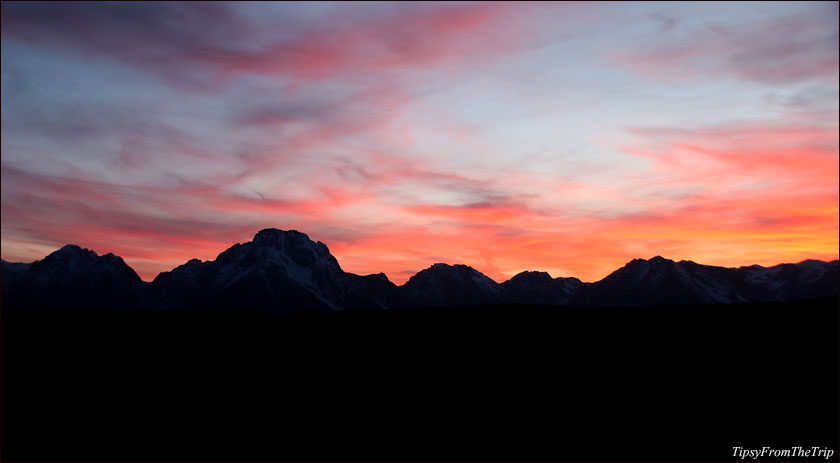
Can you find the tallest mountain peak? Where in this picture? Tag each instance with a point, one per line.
(275, 235)
(75, 250)
(278, 270)
(660, 260)
(290, 242)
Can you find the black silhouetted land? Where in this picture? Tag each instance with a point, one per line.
(501, 382)
(273, 352)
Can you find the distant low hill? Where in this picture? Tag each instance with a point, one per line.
(285, 271)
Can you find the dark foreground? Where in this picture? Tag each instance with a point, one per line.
(484, 383)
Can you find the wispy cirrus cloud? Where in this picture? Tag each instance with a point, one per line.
(205, 42)
(779, 50)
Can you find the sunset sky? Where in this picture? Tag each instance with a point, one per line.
(564, 137)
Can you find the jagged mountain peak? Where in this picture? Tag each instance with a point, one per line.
(273, 247)
(456, 271)
(655, 261)
(532, 276)
(814, 262)
(278, 268)
(272, 243)
(275, 236)
(74, 258)
(442, 283)
(76, 277)
(73, 250)
(533, 287)
(754, 266)
(441, 267)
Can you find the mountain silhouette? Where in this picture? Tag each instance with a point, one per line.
(661, 281)
(540, 288)
(73, 277)
(285, 271)
(443, 284)
(282, 270)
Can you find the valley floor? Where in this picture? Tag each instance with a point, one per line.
(521, 383)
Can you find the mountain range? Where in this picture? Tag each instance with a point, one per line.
(285, 271)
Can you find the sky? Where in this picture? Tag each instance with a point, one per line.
(563, 137)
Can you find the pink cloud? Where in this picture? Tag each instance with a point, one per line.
(217, 38)
(409, 38)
